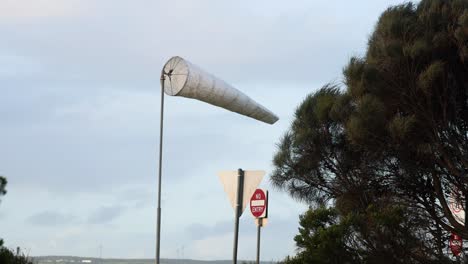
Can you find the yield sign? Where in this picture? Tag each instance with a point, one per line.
(251, 180)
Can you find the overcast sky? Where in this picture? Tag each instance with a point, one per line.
(79, 115)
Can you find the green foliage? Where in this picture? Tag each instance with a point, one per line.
(400, 127)
(3, 183)
(321, 239)
(431, 77)
(309, 140)
(396, 135)
(8, 257)
(418, 127)
(375, 235)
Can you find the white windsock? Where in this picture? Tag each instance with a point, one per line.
(182, 78)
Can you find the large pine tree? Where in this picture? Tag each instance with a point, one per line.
(399, 129)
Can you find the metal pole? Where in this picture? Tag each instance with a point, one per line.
(259, 228)
(240, 190)
(158, 221)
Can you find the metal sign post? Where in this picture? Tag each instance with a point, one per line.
(259, 228)
(238, 212)
(239, 186)
(259, 209)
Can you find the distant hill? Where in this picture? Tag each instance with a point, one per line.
(84, 260)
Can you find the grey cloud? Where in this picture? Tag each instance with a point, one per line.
(200, 231)
(50, 218)
(253, 46)
(277, 235)
(137, 197)
(105, 214)
(120, 146)
(80, 98)
(197, 231)
(82, 62)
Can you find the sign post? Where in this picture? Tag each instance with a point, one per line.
(238, 212)
(259, 228)
(259, 209)
(238, 192)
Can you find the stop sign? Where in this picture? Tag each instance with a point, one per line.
(456, 244)
(258, 203)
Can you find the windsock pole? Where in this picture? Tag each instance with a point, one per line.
(158, 219)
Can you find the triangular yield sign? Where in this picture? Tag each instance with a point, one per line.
(251, 180)
(229, 181)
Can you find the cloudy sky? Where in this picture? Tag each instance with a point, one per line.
(79, 109)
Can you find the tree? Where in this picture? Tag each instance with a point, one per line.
(409, 98)
(316, 164)
(376, 235)
(3, 183)
(322, 239)
(6, 255)
(399, 129)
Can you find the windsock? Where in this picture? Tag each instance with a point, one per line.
(182, 78)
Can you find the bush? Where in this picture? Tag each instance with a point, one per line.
(8, 257)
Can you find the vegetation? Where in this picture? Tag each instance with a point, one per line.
(6, 255)
(388, 152)
(377, 235)
(3, 183)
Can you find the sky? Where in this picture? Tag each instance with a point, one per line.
(79, 115)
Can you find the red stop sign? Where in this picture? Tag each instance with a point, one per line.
(258, 203)
(456, 244)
